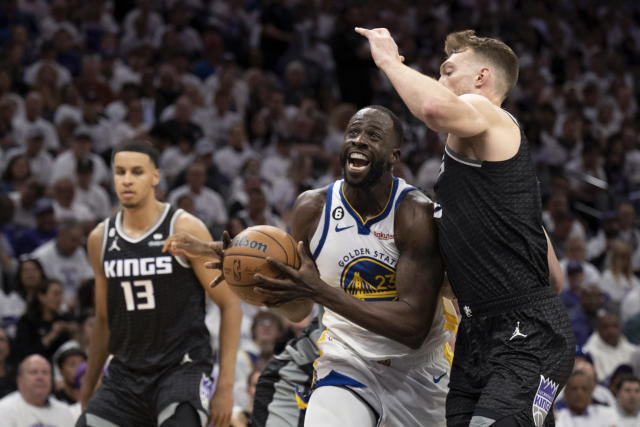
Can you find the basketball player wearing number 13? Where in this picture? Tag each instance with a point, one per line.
(515, 345)
(150, 313)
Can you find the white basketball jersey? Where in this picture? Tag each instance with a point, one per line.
(360, 256)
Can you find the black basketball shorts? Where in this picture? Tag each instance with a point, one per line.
(510, 362)
(128, 399)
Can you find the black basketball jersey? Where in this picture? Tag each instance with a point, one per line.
(155, 303)
(490, 226)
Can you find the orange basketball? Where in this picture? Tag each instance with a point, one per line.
(248, 254)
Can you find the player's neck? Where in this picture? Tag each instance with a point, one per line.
(370, 200)
(137, 221)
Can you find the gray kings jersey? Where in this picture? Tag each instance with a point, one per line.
(155, 303)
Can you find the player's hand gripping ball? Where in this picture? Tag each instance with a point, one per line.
(248, 254)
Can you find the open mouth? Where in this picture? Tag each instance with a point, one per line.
(357, 161)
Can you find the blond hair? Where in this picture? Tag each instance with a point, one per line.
(495, 51)
(619, 259)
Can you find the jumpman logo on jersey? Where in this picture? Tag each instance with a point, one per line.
(186, 359)
(517, 332)
(467, 310)
(114, 245)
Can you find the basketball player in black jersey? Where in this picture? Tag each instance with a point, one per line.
(515, 346)
(150, 309)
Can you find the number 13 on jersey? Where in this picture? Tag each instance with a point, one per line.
(138, 296)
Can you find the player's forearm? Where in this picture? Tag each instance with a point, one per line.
(425, 97)
(98, 352)
(295, 311)
(229, 336)
(396, 320)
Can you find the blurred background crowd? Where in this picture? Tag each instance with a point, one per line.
(247, 101)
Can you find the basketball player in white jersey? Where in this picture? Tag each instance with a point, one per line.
(370, 256)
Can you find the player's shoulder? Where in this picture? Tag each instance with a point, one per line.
(494, 113)
(95, 236)
(187, 222)
(416, 199)
(312, 199)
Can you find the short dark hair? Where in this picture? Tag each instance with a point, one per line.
(143, 147)
(397, 124)
(492, 49)
(626, 378)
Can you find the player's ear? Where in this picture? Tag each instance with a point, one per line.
(482, 77)
(395, 155)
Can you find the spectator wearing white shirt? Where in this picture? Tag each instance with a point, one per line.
(558, 203)
(33, 116)
(24, 202)
(218, 124)
(70, 106)
(89, 194)
(79, 147)
(257, 211)
(598, 245)
(628, 231)
(580, 411)
(628, 401)
(95, 123)
(47, 57)
(618, 279)
(133, 126)
(175, 159)
(276, 165)
(40, 161)
(575, 249)
(65, 205)
(117, 110)
(32, 404)
(607, 346)
(589, 165)
(231, 158)
(65, 258)
(207, 204)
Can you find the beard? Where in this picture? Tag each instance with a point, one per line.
(376, 170)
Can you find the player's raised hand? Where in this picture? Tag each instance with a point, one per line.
(219, 248)
(302, 283)
(185, 244)
(383, 48)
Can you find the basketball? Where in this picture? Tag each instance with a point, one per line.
(248, 254)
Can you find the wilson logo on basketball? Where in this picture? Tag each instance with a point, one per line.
(253, 244)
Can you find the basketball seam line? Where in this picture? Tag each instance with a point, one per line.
(277, 242)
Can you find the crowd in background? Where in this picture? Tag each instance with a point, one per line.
(247, 101)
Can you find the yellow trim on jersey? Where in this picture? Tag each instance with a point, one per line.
(448, 353)
(301, 403)
(344, 196)
(450, 316)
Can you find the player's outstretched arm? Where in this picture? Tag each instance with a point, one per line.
(99, 346)
(231, 317)
(419, 277)
(438, 107)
